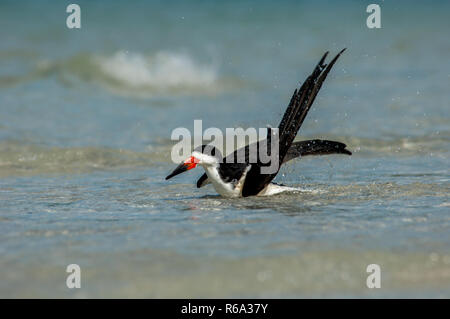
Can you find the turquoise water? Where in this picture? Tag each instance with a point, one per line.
(85, 123)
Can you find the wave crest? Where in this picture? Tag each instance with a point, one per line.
(163, 73)
(131, 74)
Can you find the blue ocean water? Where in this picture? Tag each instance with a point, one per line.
(85, 123)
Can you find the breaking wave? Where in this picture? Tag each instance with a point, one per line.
(165, 72)
(131, 74)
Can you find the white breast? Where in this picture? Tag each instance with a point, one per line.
(224, 189)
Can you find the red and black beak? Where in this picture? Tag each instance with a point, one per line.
(188, 164)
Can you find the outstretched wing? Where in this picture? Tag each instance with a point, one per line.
(293, 118)
(315, 147)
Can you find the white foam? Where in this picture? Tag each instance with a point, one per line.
(162, 72)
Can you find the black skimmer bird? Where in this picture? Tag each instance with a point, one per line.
(242, 179)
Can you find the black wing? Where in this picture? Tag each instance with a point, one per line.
(315, 147)
(293, 118)
(203, 180)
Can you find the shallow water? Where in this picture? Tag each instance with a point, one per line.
(85, 123)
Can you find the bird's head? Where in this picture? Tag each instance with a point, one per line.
(203, 155)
